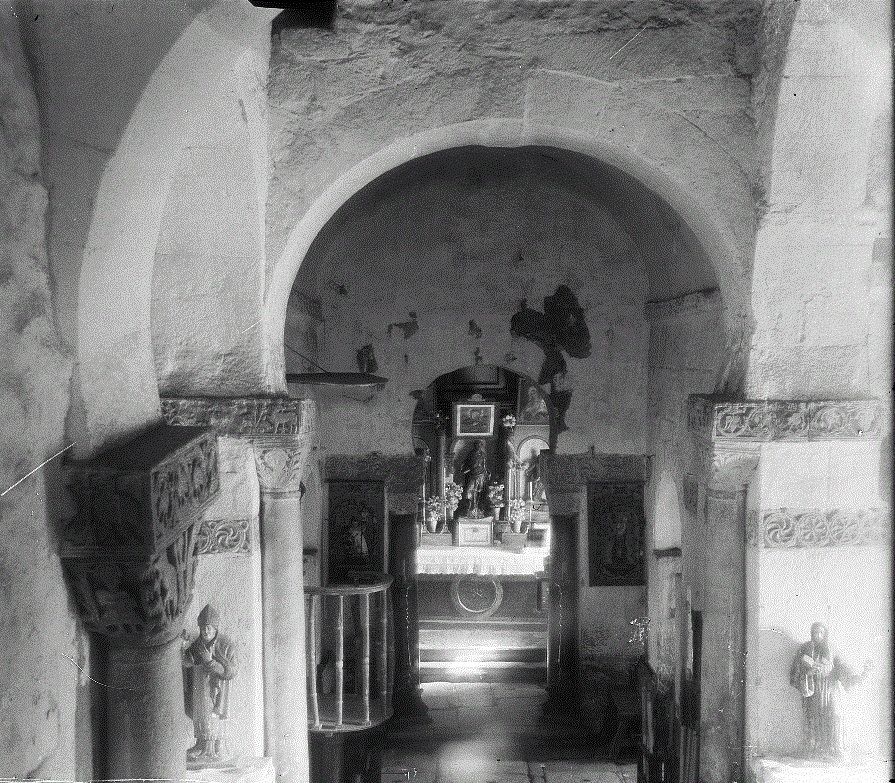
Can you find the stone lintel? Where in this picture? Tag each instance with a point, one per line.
(402, 474)
(717, 419)
(792, 528)
(566, 473)
(130, 551)
(242, 416)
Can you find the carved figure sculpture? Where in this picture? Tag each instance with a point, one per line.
(475, 474)
(821, 677)
(209, 663)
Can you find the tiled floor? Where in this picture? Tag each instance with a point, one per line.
(492, 733)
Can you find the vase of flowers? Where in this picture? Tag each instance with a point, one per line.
(495, 497)
(517, 514)
(433, 514)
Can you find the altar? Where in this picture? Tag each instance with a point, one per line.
(483, 561)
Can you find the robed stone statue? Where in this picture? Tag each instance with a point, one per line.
(209, 663)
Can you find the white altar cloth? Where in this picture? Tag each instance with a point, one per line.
(486, 561)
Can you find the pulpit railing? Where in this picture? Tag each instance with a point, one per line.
(350, 653)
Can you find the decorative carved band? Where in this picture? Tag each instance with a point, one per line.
(220, 536)
(765, 420)
(134, 500)
(241, 415)
(802, 528)
(667, 308)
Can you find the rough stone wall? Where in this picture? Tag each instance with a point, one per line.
(673, 101)
(39, 646)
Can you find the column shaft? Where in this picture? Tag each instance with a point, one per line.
(285, 686)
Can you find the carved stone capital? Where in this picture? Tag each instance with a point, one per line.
(280, 461)
(727, 469)
(242, 416)
(788, 528)
(711, 418)
(130, 549)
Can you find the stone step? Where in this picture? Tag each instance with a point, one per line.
(483, 671)
(536, 654)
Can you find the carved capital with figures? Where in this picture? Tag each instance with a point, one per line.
(130, 549)
(280, 461)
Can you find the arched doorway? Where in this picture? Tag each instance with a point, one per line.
(485, 535)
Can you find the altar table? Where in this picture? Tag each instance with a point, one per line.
(485, 561)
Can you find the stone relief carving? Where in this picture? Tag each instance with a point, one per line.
(765, 420)
(400, 473)
(241, 415)
(218, 536)
(279, 464)
(802, 528)
(141, 600)
(725, 469)
(130, 551)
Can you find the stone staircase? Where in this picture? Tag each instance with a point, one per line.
(492, 650)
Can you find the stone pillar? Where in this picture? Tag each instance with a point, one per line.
(130, 556)
(280, 432)
(403, 478)
(721, 597)
(279, 460)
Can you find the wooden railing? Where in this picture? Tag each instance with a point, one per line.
(350, 653)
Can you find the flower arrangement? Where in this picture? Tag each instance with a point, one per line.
(509, 421)
(517, 514)
(433, 508)
(495, 494)
(639, 631)
(452, 494)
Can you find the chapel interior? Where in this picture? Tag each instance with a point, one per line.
(451, 391)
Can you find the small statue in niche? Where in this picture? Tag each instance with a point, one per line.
(821, 678)
(209, 663)
(475, 473)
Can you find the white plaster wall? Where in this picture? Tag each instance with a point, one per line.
(820, 294)
(847, 587)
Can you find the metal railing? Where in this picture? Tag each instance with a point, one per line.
(350, 653)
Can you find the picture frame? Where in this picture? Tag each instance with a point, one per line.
(474, 419)
(531, 406)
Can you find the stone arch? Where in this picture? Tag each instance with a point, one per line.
(723, 227)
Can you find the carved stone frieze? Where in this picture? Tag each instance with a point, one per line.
(220, 536)
(803, 528)
(130, 550)
(768, 420)
(237, 416)
(139, 497)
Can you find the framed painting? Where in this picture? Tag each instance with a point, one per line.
(615, 534)
(357, 539)
(474, 419)
(531, 407)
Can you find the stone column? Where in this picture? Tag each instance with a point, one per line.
(130, 557)
(279, 460)
(280, 431)
(721, 597)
